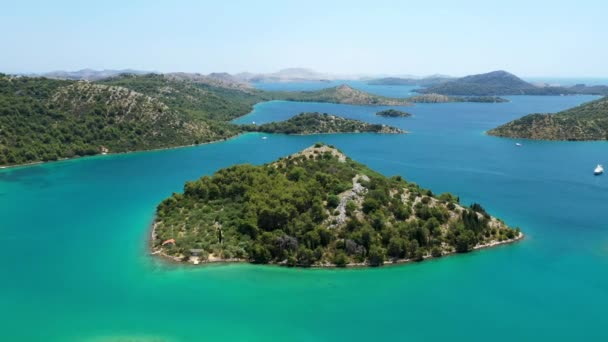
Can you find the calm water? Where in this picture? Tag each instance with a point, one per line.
(74, 265)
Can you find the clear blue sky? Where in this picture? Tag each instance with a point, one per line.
(530, 38)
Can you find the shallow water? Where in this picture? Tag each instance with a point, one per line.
(75, 268)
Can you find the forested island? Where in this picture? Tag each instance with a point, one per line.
(317, 208)
(588, 121)
(44, 119)
(393, 113)
(321, 123)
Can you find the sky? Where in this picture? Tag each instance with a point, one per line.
(529, 38)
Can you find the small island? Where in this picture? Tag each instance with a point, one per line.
(393, 113)
(317, 208)
(588, 121)
(322, 123)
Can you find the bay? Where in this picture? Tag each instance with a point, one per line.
(74, 264)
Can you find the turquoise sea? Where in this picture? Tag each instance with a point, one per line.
(74, 264)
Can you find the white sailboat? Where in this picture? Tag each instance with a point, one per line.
(599, 169)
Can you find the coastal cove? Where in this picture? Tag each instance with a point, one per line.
(87, 220)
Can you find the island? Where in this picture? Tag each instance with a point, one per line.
(321, 123)
(342, 94)
(319, 208)
(498, 83)
(439, 98)
(588, 121)
(393, 113)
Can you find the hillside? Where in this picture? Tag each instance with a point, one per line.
(342, 94)
(438, 98)
(44, 119)
(194, 99)
(490, 84)
(317, 123)
(317, 208)
(588, 121)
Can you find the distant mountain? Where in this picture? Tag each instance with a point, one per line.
(493, 83)
(222, 80)
(504, 83)
(588, 121)
(293, 75)
(90, 74)
(423, 82)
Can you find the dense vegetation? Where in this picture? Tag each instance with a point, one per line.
(318, 123)
(316, 207)
(42, 120)
(504, 83)
(195, 100)
(588, 121)
(393, 113)
(438, 98)
(45, 119)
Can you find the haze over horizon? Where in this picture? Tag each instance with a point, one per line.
(543, 39)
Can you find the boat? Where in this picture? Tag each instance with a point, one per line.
(264, 138)
(599, 169)
(517, 144)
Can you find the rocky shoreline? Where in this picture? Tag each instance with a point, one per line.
(216, 261)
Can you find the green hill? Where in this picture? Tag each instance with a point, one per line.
(43, 120)
(342, 94)
(316, 207)
(317, 123)
(588, 121)
(491, 84)
(191, 98)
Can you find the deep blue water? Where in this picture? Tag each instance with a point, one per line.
(74, 266)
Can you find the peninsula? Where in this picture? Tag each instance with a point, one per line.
(317, 208)
(321, 123)
(588, 121)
